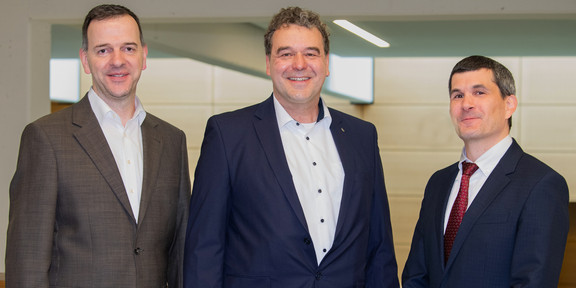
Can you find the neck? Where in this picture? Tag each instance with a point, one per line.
(302, 112)
(475, 149)
(125, 108)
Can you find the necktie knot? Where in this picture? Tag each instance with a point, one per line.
(469, 168)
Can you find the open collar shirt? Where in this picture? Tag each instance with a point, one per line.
(125, 142)
(317, 173)
(486, 164)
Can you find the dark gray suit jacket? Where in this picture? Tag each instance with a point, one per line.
(71, 224)
(512, 235)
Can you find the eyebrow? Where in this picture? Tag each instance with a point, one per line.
(280, 49)
(108, 44)
(477, 86)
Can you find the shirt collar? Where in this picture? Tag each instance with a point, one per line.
(488, 161)
(284, 118)
(102, 110)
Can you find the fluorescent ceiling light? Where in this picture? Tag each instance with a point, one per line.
(362, 33)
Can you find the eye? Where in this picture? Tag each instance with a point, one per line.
(457, 95)
(130, 49)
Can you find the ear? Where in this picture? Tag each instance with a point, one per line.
(84, 59)
(268, 65)
(144, 56)
(327, 65)
(511, 103)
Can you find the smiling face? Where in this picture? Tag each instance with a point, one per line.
(115, 57)
(297, 65)
(478, 110)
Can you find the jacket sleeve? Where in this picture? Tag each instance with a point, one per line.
(381, 270)
(541, 234)
(175, 267)
(33, 197)
(206, 231)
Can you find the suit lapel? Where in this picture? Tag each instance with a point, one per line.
(90, 136)
(266, 127)
(448, 181)
(338, 130)
(152, 148)
(493, 186)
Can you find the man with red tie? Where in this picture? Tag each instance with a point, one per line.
(498, 217)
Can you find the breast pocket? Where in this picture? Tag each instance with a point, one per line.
(493, 218)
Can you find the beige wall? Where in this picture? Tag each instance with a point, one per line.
(410, 112)
(25, 47)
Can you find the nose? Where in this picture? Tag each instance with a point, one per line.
(117, 59)
(299, 62)
(467, 102)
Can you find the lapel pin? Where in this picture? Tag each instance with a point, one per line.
(343, 130)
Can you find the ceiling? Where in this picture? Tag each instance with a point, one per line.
(443, 38)
(522, 37)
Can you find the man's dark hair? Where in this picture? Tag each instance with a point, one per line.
(106, 11)
(501, 75)
(297, 16)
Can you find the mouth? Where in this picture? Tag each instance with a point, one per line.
(117, 75)
(299, 78)
(468, 119)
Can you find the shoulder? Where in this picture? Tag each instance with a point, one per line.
(352, 125)
(54, 123)
(444, 175)
(530, 167)
(352, 120)
(161, 125)
(245, 113)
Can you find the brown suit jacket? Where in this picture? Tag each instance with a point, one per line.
(71, 224)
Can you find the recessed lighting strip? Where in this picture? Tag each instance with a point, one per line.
(362, 33)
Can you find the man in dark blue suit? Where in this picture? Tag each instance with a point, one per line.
(514, 230)
(290, 193)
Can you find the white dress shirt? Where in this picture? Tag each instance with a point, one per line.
(125, 143)
(317, 173)
(486, 164)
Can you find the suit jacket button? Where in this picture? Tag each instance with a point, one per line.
(307, 241)
(138, 250)
(318, 275)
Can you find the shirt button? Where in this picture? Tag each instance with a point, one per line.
(319, 190)
(322, 220)
(314, 163)
(307, 138)
(324, 250)
(138, 250)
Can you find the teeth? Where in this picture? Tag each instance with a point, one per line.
(299, 79)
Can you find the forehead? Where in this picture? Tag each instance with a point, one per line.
(295, 35)
(118, 26)
(482, 76)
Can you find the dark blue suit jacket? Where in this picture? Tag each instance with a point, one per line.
(247, 228)
(513, 234)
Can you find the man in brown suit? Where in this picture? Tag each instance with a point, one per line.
(101, 190)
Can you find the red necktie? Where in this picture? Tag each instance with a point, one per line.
(458, 209)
